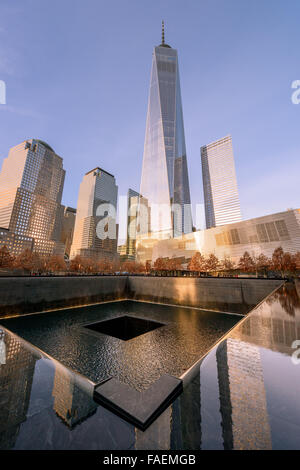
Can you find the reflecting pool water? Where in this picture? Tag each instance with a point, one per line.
(244, 394)
(183, 336)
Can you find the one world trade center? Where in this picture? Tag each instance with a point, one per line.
(165, 182)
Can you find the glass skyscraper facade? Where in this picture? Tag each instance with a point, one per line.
(98, 190)
(31, 185)
(67, 230)
(138, 223)
(221, 197)
(165, 181)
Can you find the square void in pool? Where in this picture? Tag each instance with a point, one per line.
(124, 327)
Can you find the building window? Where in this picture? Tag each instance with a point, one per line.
(272, 232)
(262, 233)
(235, 236)
(282, 229)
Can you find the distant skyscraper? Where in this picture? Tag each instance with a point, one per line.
(67, 230)
(221, 198)
(165, 176)
(31, 185)
(98, 187)
(138, 222)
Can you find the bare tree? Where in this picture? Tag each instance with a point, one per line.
(148, 266)
(175, 264)
(289, 263)
(6, 260)
(283, 261)
(29, 261)
(277, 262)
(297, 259)
(160, 264)
(105, 266)
(76, 264)
(246, 263)
(88, 265)
(132, 267)
(56, 263)
(116, 265)
(172, 264)
(262, 263)
(228, 264)
(197, 263)
(212, 263)
(140, 267)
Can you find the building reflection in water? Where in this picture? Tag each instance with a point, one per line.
(72, 403)
(187, 417)
(72, 394)
(229, 410)
(16, 377)
(275, 324)
(243, 406)
(233, 408)
(157, 436)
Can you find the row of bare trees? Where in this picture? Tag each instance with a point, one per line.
(87, 265)
(33, 263)
(198, 263)
(166, 264)
(280, 261)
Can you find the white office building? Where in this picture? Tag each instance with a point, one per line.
(98, 192)
(221, 198)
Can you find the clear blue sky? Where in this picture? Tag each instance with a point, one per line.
(77, 74)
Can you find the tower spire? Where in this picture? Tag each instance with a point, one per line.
(163, 44)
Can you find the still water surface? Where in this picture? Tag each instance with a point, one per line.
(185, 336)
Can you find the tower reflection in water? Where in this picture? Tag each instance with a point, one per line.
(16, 376)
(240, 379)
(243, 405)
(72, 402)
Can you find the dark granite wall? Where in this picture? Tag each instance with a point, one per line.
(34, 294)
(221, 294)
